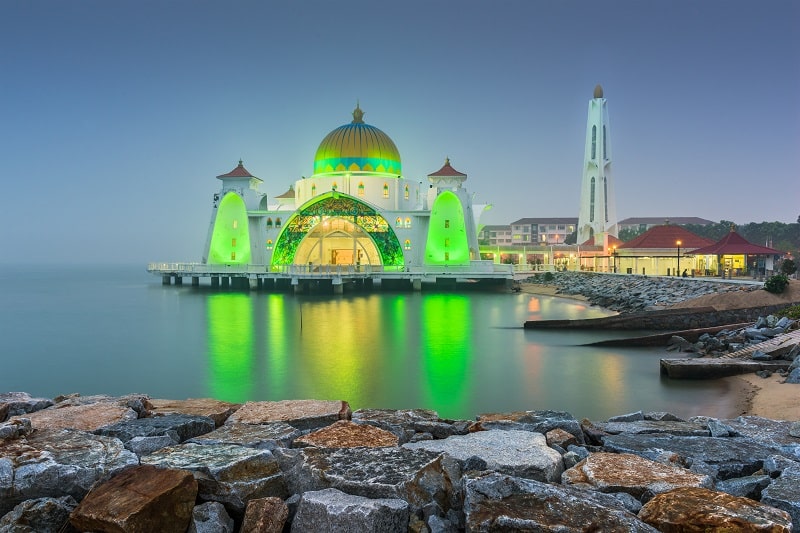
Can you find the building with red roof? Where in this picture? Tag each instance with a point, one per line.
(737, 256)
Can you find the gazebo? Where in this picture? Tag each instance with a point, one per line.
(735, 256)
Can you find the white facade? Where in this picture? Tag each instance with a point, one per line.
(598, 212)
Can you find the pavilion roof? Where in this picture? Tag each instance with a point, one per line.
(733, 243)
(667, 236)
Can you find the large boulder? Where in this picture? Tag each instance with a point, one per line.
(784, 493)
(536, 421)
(86, 417)
(139, 500)
(260, 436)
(331, 510)
(216, 410)
(701, 509)
(632, 474)
(408, 423)
(772, 433)
(302, 414)
(55, 463)
(265, 515)
(211, 517)
(497, 502)
(180, 426)
(225, 473)
(419, 477)
(642, 427)
(516, 453)
(725, 457)
(42, 515)
(347, 434)
(20, 403)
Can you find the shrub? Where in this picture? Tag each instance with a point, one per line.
(776, 284)
(789, 312)
(548, 276)
(788, 267)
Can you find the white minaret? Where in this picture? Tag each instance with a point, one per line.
(598, 212)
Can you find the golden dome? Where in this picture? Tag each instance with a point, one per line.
(357, 147)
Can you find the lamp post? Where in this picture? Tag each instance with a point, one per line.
(614, 255)
(678, 270)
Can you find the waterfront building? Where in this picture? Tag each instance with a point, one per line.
(662, 250)
(733, 256)
(543, 231)
(494, 235)
(597, 208)
(356, 213)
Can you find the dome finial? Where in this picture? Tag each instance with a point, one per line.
(598, 91)
(358, 115)
(447, 161)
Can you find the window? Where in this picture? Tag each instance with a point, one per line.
(334, 186)
(405, 193)
(594, 141)
(269, 222)
(605, 154)
(235, 224)
(447, 256)
(447, 223)
(591, 203)
(399, 222)
(447, 243)
(408, 222)
(407, 244)
(386, 190)
(269, 244)
(361, 188)
(233, 256)
(605, 197)
(278, 222)
(233, 242)
(314, 190)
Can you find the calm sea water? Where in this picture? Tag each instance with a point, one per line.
(116, 330)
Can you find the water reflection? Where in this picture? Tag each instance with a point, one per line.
(230, 346)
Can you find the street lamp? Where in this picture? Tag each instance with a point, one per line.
(677, 272)
(614, 255)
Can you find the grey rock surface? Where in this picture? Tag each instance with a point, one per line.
(334, 511)
(211, 517)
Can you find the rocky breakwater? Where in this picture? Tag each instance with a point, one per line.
(134, 463)
(631, 293)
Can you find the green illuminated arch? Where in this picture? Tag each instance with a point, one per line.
(447, 242)
(230, 240)
(336, 204)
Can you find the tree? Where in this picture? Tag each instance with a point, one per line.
(788, 267)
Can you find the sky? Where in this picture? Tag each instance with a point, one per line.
(116, 117)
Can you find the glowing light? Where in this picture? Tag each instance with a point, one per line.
(447, 242)
(230, 346)
(228, 238)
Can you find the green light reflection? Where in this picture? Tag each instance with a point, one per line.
(230, 346)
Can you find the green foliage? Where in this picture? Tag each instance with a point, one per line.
(548, 276)
(628, 234)
(572, 238)
(788, 267)
(776, 284)
(792, 312)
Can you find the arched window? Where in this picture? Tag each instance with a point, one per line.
(233, 242)
(594, 142)
(334, 186)
(405, 194)
(235, 224)
(605, 153)
(233, 256)
(447, 243)
(278, 222)
(314, 189)
(605, 197)
(269, 244)
(408, 222)
(399, 222)
(386, 190)
(269, 222)
(407, 244)
(591, 203)
(361, 189)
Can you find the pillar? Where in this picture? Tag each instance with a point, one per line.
(226, 282)
(214, 282)
(195, 281)
(178, 280)
(166, 280)
(253, 284)
(416, 284)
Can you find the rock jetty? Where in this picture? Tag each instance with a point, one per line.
(133, 464)
(631, 293)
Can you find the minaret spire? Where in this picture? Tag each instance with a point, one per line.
(598, 213)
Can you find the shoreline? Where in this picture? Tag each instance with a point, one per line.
(768, 397)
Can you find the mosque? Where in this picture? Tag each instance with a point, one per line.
(355, 213)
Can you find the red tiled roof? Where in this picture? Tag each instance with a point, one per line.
(448, 171)
(238, 172)
(733, 243)
(667, 236)
(287, 194)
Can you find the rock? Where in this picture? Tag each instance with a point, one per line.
(55, 463)
(42, 515)
(225, 473)
(347, 434)
(402, 422)
(87, 417)
(497, 502)
(641, 427)
(561, 438)
(14, 429)
(211, 517)
(783, 494)
(142, 446)
(20, 403)
(720, 429)
(745, 487)
(140, 499)
(774, 465)
(794, 430)
(216, 410)
(419, 477)
(302, 414)
(174, 425)
(517, 453)
(140, 403)
(793, 377)
(772, 433)
(265, 515)
(535, 421)
(630, 417)
(632, 474)
(729, 457)
(700, 509)
(267, 436)
(334, 511)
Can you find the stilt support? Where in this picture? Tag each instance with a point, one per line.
(195, 281)
(166, 280)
